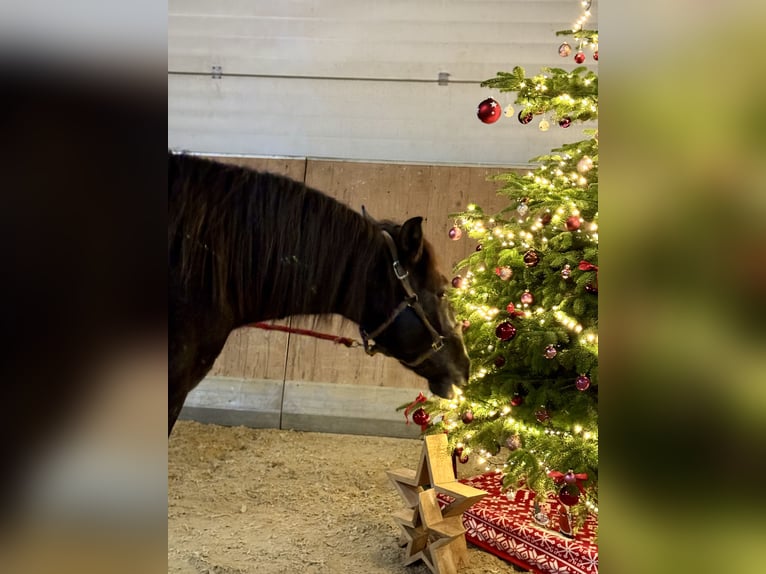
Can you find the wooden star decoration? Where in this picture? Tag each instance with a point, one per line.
(429, 533)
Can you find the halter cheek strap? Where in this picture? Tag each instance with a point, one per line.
(410, 301)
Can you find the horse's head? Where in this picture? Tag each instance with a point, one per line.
(420, 329)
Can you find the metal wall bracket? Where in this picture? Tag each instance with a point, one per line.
(443, 78)
(216, 72)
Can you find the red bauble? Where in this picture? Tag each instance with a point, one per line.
(421, 417)
(525, 118)
(595, 55)
(550, 352)
(505, 331)
(591, 287)
(573, 223)
(527, 298)
(489, 111)
(545, 219)
(569, 495)
(542, 415)
(455, 233)
(565, 122)
(457, 281)
(582, 383)
(516, 400)
(467, 417)
(579, 57)
(531, 258)
(510, 307)
(499, 361)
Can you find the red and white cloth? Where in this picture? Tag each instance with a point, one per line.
(502, 523)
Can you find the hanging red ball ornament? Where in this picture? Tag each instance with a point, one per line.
(565, 122)
(545, 218)
(527, 298)
(510, 307)
(542, 415)
(457, 281)
(579, 57)
(455, 233)
(467, 417)
(582, 383)
(505, 273)
(569, 495)
(499, 361)
(513, 442)
(421, 417)
(531, 258)
(525, 118)
(489, 111)
(591, 288)
(573, 223)
(463, 458)
(595, 55)
(516, 400)
(550, 352)
(505, 331)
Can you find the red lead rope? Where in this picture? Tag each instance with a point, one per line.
(327, 337)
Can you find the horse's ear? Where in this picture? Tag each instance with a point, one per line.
(411, 239)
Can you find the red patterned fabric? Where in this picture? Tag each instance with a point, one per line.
(504, 526)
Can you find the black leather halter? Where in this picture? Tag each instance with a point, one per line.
(410, 301)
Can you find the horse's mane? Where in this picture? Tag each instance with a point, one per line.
(239, 236)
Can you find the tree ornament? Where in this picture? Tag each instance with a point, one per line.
(525, 118)
(544, 125)
(527, 298)
(550, 352)
(467, 417)
(569, 495)
(569, 477)
(582, 383)
(531, 258)
(565, 122)
(585, 164)
(516, 400)
(421, 417)
(505, 331)
(465, 325)
(457, 282)
(509, 111)
(511, 308)
(579, 57)
(522, 208)
(505, 273)
(573, 223)
(595, 55)
(455, 233)
(591, 288)
(513, 442)
(479, 247)
(564, 50)
(461, 456)
(489, 111)
(542, 415)
(566, 272)
(546, 217)
(499, 361)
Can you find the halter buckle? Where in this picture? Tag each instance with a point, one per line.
(400, 272)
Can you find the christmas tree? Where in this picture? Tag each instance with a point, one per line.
(528, 297)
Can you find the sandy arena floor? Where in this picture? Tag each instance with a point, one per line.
(245, 500)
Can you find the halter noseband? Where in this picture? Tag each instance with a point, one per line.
(410, 301)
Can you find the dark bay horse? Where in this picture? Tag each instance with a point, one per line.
(246, 246)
